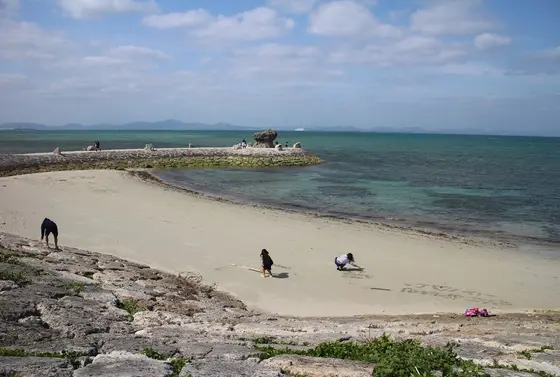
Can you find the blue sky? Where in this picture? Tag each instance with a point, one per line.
(444, 65)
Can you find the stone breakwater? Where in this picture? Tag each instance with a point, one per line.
(15, 164)
(77, 313)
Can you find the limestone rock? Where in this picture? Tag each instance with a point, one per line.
(125, 364)
(135, 345)
(35, 366)
(278, 147)
(297, 145)
(319, 367)
(265, 139)
(74, 316)
(508, 373)
(6, 285)
(227, 368)
(100, 295)
(232, 352)
(56, 151)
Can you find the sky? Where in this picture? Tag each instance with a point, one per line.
(446, 65)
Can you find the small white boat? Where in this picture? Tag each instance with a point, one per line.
(299, 129)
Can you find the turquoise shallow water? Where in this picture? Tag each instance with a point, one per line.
(501, 187)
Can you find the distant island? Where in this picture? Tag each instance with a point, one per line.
(169, 125)
(175, 125)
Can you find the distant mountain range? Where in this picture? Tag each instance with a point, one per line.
(171, 125)
(175, 125)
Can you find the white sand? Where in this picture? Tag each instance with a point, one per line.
(110, 212)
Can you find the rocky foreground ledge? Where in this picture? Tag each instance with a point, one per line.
(15, 164)
(77, 313)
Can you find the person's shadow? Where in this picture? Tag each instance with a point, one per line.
(353, 269)
(282, 275)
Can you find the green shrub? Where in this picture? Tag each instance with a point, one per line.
(132, 306)
(177, 363)
(392, 358)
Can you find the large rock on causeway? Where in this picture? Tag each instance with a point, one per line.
(265, 139)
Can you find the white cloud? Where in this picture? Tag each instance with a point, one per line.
(548, 54)
(81, 9)
(259, 23)
(468, 69)
(193, 18)
(410, 51)
(101, 61)
(545, 61)
(293, 6)
(281, 62)
(452, 17)
(11, 80)
(133, 52)
(488, 41)
(7, 7)
(28, 41)
(255, 24)
(349, 18)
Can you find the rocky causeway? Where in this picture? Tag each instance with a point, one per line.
(14, 164)
(262, 153)
(77, 313)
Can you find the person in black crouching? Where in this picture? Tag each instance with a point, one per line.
(47, 227)
(266, 263)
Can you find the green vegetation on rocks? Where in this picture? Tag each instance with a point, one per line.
(72, 357)
(177, 363)
(398, 358)
(528, 353)
(9, 258)
(392, 358)
(131, 305)
(16, 277)
(75, 288)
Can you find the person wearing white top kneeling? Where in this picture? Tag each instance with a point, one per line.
(343, 260)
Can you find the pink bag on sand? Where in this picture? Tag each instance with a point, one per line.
(474, 312)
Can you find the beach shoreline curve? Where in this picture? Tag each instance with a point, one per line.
(405, 272)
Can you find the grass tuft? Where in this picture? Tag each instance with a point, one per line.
(9, 259)
(75, 288)
(132, 306)
(528, 353)
(177, 363)
(71, 356)
(88, 274)
(17, 278)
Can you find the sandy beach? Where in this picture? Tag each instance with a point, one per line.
(115, 213)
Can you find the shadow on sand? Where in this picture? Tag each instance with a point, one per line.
(361, 269)
(281, 275)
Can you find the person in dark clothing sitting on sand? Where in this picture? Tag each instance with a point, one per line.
(47, 227)
(266, 263)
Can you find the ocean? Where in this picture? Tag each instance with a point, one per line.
(503, 188)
